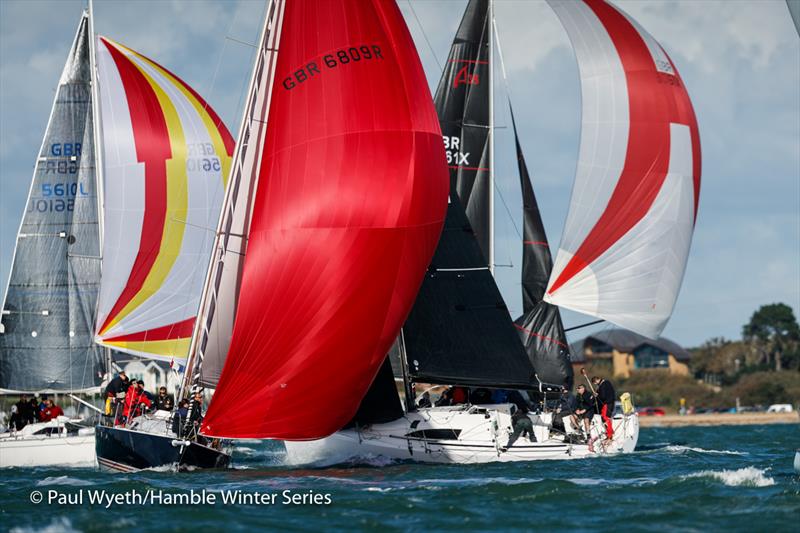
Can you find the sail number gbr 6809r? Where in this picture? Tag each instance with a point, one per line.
(339, 58)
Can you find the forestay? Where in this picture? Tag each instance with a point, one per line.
(625, 244)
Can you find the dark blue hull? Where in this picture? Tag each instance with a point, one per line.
(129, 450)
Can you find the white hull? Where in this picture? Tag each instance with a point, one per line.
(33, 446)
(797, 461)
(477, 435)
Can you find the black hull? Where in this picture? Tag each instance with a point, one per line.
(127, 450)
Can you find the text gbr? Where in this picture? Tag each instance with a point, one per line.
(344, 56)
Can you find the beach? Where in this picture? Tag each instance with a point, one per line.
(719, 419)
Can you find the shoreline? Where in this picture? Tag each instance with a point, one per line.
(719, 419)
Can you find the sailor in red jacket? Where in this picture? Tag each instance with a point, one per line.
(50, 412)
(134, 398)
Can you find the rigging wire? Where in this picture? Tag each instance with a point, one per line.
(508, 95)
(425, 35)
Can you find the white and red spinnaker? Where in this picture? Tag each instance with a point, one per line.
(625, 244)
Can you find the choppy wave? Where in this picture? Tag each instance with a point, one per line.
(632, 481)
(681, 449)
(63, 480)
(60, 524)
(749, 476)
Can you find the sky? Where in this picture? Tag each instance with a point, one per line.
(740, 61)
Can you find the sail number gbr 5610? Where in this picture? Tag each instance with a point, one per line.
(336, 59)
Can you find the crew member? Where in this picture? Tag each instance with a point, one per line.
(522, 426)
(42, 404)
(116, 391)
(566, 408)
(51, 411)
(424, 400)
(196, 416)
(180, 416)
(134, 398)
(25, 412)
(164, 401)
(585, 408)
(606, 400)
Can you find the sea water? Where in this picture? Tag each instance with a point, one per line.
(733, 478)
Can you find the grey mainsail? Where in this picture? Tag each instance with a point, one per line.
(794, 11)
(46, 336)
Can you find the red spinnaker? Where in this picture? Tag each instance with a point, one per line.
(351, 200)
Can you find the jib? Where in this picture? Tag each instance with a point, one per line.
(67, 149)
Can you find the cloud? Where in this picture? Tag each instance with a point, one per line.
(739, 60)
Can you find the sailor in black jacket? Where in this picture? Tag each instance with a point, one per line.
(606, 399)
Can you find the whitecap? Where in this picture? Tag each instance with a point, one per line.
(749, 476)
(677, 448)
(632, 481)
(63, 480)
(172, 467)
(60, 524)
(245, 450)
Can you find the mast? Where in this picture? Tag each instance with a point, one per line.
(411, 404)
(98, 159)
(96, 123)
(491, 136)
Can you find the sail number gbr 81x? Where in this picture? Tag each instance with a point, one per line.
(343, 57)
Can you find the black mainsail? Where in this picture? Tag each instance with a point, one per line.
(540, 325)
(46, 339)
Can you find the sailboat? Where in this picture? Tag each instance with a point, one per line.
(621, 259)
(335, 201)
(46, 343)
(165, 157)
(126, 190)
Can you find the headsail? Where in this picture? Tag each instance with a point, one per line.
(166, 155)
(540, 326)
(224, 278)
(46, 338)
(626, 241)
(350, 204)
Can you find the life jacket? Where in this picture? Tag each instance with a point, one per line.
(50, 413)
(459, 395)
(132, 400)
